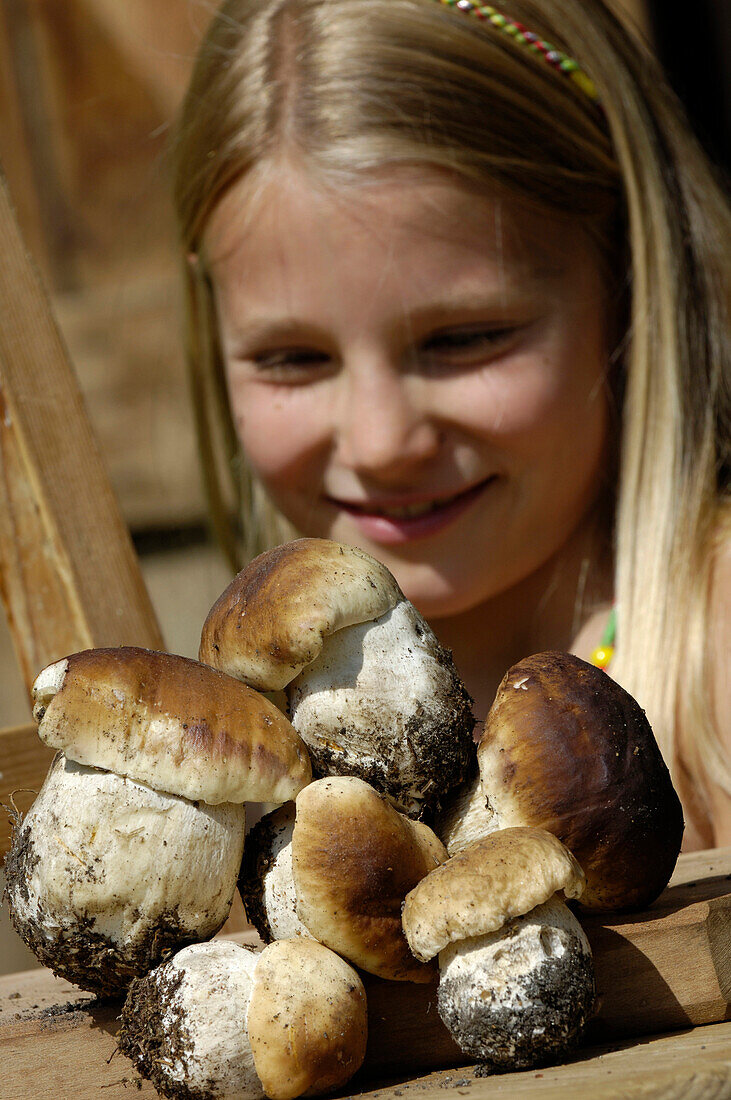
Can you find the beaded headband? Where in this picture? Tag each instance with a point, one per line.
(520, 34)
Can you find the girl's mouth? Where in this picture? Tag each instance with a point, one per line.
(391, 524)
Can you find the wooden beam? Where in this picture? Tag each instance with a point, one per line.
(70, 576)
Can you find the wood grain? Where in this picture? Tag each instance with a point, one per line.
(687, 1065)
(70, 577)
(51, 1032)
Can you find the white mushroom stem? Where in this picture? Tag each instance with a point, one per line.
(105, 874)
(521, 995)
(185, 1024)
(267, 882)
(382, 701)
(466, 816)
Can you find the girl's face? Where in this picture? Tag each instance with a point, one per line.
(417, 372)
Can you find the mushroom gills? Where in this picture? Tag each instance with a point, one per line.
(520, 996)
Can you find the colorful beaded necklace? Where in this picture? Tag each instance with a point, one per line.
(526, 38)
(602, 655)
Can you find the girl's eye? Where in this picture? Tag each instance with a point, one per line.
(467, 346)
(290, 364)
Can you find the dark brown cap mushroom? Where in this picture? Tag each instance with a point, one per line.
(565, 748)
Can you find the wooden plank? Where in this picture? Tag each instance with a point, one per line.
(87, 92)
(70, 575)
(688, 1065)
(15, 152)
(46, 1021)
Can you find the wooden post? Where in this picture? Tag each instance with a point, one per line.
(69, 575)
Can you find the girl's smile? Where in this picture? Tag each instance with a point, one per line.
(392, 521)
(415, 370)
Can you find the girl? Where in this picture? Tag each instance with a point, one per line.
(457, 280)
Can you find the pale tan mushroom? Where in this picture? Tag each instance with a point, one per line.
(371, 691)
(133, 845)
(516, 984)
(222, 1021)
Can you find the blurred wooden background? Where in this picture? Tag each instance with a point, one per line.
(88, 89)
(87, 92)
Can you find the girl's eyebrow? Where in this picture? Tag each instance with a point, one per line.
(245, 336)
(267, 330)
(530, 283)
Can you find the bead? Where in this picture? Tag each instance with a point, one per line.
(586, 84)
(602, 656)
(530, 40)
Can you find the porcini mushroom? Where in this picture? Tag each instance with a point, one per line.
(516, 984)
(220, 1020)
(266, 882)
(133, 845)
(339, 872)
(371, 691)
(565, 748)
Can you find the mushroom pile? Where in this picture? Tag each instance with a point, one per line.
(384, 852)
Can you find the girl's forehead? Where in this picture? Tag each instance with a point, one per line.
(400, 211)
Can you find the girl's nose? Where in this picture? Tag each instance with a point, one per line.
(384, 425)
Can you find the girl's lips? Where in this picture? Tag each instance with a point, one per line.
(391, 529)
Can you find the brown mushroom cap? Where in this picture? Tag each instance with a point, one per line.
(354, 859)
(488, 883)
(565, 748)
(307, 1019)
(172, 723)
(272, 619)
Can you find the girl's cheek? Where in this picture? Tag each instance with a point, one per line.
(541, 391)
(505, 402)
(280, 428)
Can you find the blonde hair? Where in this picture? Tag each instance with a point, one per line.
(358, 85)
